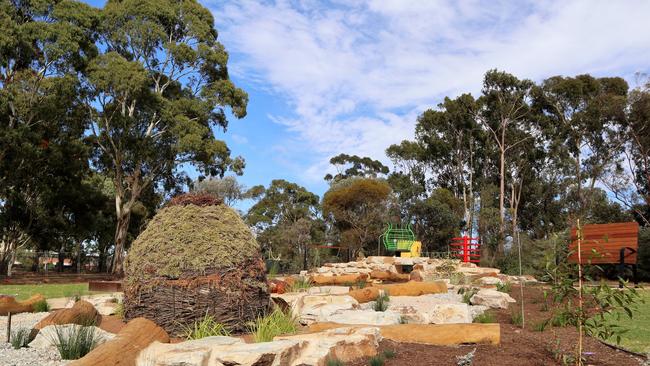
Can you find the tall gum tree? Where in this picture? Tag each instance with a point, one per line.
(157, 92)
(505, 115)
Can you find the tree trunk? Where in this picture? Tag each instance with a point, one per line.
(121, 232)
(502, 212)
(79, 256)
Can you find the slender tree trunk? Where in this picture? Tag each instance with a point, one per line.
(10, 263)
(79, 256)
(121, 231)
(502, 210)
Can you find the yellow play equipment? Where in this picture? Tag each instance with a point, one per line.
(416, 247)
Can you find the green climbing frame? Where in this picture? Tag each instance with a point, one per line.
(398, 238)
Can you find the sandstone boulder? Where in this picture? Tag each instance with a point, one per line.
(8, 304)
(82, 313)
(339, 280)
(436, 309)
(492, 298)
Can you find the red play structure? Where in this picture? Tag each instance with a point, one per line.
(466, 248)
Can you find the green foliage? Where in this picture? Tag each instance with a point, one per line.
(467, 293)
(359, 209)
(20, 337)
(191, 233)
(119, 310)
(74, 342)
(504, 287)
(486, 317)
(41, 306)
(388, 354)
(356, 167)
(274, 324)
(301, 284)
(334, 362)
(516, 319)
(540, 326)
(206, 327)
(376, 361)
(381, 303)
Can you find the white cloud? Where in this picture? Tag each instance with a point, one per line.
(356, 74)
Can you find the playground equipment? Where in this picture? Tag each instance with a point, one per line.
(466, 248)
(616, 243)
(401, 240)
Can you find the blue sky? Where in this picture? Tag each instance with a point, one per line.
(326, 77)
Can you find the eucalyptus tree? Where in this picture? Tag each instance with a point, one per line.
(581, 117)
(44, 47)
(286, 219)
(348, 166)
(505, 116)
(227, 188)
(157, 93)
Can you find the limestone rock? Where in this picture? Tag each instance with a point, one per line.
(366, 317)
(490, 281)
(492, 298)
(343, 344)
(328, 290)
(435, 309)
(48, 335)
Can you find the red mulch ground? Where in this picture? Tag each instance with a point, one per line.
(518, 347)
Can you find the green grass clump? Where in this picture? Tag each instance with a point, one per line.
(376, 361)
(516, 319)
(381, 304)
(541, 326)
(119, 310)
(49, 291)
(504, 287)
(334, 362)
(206, 327)
(301, 284)
(485, 318)
(274, 324)
(41, 306)
(389, 353)
(74, 342)
(20, 338)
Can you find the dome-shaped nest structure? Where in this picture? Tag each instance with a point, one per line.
(195, 258)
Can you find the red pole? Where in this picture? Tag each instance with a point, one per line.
(465, 249)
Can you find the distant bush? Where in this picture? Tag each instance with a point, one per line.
(41, 306)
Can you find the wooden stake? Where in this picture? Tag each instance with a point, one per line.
(9, 327)
(579, 232)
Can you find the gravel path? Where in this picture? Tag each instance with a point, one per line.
(25, 356)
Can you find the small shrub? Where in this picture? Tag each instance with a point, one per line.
(388, 353)
(360, 284)
(20, 338)
(458, 278)
(274, 324)
(541, 326)
(41, 306)
(206, 327)
(74, 342)
(485, 318)
(274, 269)
(376, 361)
(301, 284)
(562, 319)
(334, 362)
(516, 319)
(466, 360)
(381, 304)
(504, 287)
(119, 310)
(467, 294)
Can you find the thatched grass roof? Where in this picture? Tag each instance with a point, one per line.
(188, 240)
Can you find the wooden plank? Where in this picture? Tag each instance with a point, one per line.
(607, 240)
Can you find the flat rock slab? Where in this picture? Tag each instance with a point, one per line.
(492, 298)
(432, 334)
